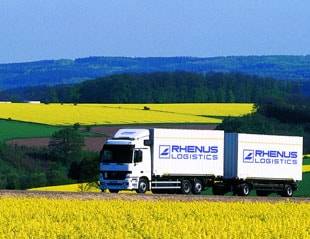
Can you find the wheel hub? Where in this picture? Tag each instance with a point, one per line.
(198, 187)
(143, 186)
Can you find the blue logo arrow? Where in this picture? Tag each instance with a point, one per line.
(165, 152)
(249, 156)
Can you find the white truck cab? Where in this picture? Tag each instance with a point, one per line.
(126, 161)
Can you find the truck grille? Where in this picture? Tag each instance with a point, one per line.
(115, 184)
(115, 175)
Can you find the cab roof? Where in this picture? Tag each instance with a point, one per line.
(131, 133)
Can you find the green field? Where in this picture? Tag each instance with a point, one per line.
(306, 160)
(304, 186)
(14, 129)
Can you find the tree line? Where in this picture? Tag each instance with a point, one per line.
(161, 87)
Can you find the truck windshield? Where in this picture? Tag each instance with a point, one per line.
(117, 153)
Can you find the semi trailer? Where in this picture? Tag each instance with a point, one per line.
(188, 161)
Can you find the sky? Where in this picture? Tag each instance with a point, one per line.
(41, 29)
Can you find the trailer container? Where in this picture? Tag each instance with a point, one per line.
(267, 163)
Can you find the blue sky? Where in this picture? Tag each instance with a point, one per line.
(39, 29)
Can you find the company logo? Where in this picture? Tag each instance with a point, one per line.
(164, 151)
(248, 156)
(269, 156)
(188, 152)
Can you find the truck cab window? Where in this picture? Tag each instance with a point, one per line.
(117, 153)
(107, 155)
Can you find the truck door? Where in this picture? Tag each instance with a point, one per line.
(142, 163)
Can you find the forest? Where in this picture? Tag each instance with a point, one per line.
(163, 87)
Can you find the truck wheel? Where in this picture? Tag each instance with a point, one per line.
(113, 190)
(197, 186)
(186, 187)
(262, 193)
(143, 186)
(244, 189)
(288, 191)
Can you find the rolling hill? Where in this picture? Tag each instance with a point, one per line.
(66, 71)
(162, 87)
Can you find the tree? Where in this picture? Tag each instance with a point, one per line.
(52, 95)
(66, 146)
(86, 170)
(230, 96)
(74, 94)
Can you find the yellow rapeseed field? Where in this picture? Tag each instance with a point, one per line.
(209, 109)
(306, 168)
(76, 187)
(74, 218)
(91, 114)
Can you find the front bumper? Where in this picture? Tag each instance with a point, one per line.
(127, 184)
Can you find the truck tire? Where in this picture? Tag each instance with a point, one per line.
(262, 193)
(287, 191)
(244, 189)
(113, 190)
(197, 186)
(142, 186)
(186, 187)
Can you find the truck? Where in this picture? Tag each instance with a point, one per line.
(266, 163)
(189, 161)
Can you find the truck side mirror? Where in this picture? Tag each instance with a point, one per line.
(147, 142)
(138, 156)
